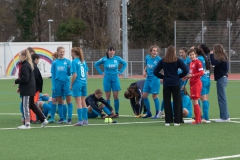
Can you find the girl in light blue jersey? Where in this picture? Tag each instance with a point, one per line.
(152, 83)
(61, 85)
(111, 75)
(205, 79)
(79, 85)
(184, 57)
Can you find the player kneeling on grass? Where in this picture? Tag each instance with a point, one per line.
(95, 109)
(134, 94)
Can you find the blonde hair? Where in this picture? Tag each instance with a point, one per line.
(220, 53)
(28, 58)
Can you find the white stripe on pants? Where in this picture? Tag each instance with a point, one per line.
(25, 105)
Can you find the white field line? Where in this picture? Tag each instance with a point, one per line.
(104, 124)
(223, 157)
(14, 114)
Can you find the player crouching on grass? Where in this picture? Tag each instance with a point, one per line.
(95, 109)
(134, 94)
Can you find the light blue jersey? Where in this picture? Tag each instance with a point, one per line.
(80, 68)
(152, 83)
(110, 65)
(186, 61)
(61, 77)
(61, 70)
(151, 64)
(205, 78)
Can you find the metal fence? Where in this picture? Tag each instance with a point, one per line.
(227, 33)
(136, 58)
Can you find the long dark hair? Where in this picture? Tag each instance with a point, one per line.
(204, 48)
(220, 53)
(170, 55)
(109, 49)
(131, 92)
(200, 53)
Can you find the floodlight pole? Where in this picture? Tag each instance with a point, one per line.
(49, 28)
(125, 36)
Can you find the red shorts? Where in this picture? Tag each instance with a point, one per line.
(195, 91)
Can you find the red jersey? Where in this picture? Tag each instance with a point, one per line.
(196, 70)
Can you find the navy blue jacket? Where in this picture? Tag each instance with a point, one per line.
(171, 76)
(221, 68)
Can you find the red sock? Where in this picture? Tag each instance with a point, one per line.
(197, 112)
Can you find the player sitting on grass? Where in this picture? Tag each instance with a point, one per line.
(95, 109)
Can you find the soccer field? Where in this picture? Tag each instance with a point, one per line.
(129, 139)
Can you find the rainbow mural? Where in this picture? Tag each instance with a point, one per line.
(13, 64)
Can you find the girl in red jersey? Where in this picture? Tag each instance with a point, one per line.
(196, 71)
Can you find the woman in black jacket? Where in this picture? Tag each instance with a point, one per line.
(171, 85)
(27, 89)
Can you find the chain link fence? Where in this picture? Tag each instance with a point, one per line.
(226, 33)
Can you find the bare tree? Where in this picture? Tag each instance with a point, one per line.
(113, 22)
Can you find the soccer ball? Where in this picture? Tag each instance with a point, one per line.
(108, 120)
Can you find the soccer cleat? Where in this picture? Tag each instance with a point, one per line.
(24, 127)
(85, 122)
(45, 122)
(104, 116)
(69, 121)
(176, 124)
(60, 121)
(205, 121)
(158, 115)
(117, 115)
(113, 115)
(79, 123)
(142, 115)
(138, 116)
(51, 121)
(222, 120)
(195, 122)
(167, 124)
(149, 114)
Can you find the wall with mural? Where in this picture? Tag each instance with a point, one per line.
(9, 53)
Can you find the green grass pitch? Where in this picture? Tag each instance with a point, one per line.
(131, 138)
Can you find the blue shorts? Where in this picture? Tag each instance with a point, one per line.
(152, 86)
(54, 96)
(92, 115)
(111, 82)
(205, 86)
(62, 89)
(79, 90)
